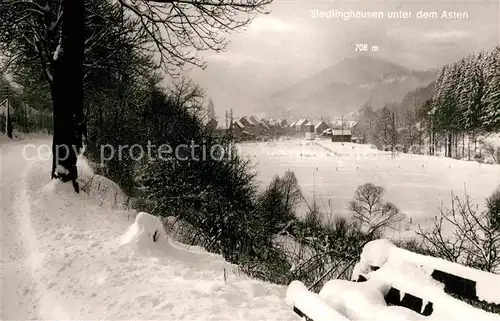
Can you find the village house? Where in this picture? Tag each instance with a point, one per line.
(321, 127)
(250, 126)
(238, 127)
(300, 125)
(339, 135)
(212, 124)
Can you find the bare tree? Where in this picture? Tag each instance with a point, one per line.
(473, 238)
(492, 151)
(188, 95)
(372, 214)
(52, 34)
(179, 29)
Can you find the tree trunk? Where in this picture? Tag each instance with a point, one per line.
(9, 121)
(67, 94)
(449, 145)
(463, 145)
(468, 144)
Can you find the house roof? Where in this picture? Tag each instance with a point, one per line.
(239, 124)
(246, 119)
(293, 124)
(246, 132)
(351, 123)
(255, 120)
(301, 122)
(265, 124)
(320, 124)
(339, 132)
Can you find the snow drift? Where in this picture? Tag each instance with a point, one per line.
(382, 253)
(86, 261)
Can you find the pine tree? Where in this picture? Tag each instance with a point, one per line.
(491, 98)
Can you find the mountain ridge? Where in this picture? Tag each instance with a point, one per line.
(345, 86)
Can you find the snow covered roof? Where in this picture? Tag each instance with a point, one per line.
(339, 132)
(246, 120)
(351, 123)
(301, 122)
(255, 120)
(320, 124)
(265, 124)
(239, 124)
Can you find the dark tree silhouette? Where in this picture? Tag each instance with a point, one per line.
(51, 34)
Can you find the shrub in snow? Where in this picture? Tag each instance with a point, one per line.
(475, 237)
(493, 206)
(492, 152)
(324, 250)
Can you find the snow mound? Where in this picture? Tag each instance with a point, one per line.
(363, 301)
(147, 236)
(68, 259)
(381, 253)
(311, 304)
(396, 284)
(146, 232)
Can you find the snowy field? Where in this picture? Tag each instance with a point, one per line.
(73, 257)
(417, 184)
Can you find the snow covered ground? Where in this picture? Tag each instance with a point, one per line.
(417, 184)
(70, 256)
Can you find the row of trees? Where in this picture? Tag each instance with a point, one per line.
(125, 103)
(466, 95)
(463, 103)
(28, 112)
(466, 98)
(64, 41)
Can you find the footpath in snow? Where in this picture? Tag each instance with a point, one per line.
(71, 256)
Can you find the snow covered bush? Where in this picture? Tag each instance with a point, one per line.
(492, 152)
(475, 237)
(493, 207)
(321, 251)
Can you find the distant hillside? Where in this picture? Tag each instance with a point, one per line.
(418, 96)
(345, 86)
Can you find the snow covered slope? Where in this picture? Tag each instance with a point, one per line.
(67, 257)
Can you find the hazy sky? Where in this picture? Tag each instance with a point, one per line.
(289, 44)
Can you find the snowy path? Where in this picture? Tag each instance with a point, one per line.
(63, 258)
(17, 297)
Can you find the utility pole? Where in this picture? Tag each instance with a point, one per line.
(231, 121)
(394, 133)
(342, 128)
